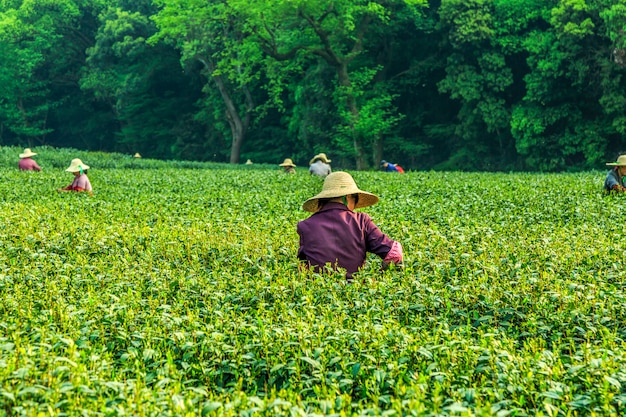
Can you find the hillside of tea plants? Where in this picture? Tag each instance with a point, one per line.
(175, 291)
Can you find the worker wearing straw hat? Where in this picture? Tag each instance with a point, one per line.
(336, 236)
(81, 181)
(320, 165)
(388, 166)
(27, 163)
(289, 166)
(615, 178)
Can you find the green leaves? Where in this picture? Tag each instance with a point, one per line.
(33, 35)
(189, 298)
(469, 21)
(571, 18)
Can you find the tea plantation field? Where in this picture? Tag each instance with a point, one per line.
(175, 291)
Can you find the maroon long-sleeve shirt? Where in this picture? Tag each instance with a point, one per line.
(28, 164)
(340, 237)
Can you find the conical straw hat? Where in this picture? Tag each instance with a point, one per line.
(339, 184)
(27, 153)
(287, 163)
(322, 157)
(621, 161)
(77, 165)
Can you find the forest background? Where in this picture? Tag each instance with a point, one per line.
(534, 85)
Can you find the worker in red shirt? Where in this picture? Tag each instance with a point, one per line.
(27, 163)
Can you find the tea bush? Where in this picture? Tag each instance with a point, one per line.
(175, 290)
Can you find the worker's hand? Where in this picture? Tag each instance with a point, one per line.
(385, 265)
(618, 188)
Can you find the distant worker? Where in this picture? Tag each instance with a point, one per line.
(289, 166)
(81, 181)
(389, 167)
(615, 178)
(249, 162)
(26, 162)
(319, 165)
(336, 236)
(137, 155)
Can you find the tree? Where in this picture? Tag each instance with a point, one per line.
(298, 32)
(574, 103)
(43, 46)
(486, 61)
(611, 75)
(24, 44)
(148, 96)
(208, 33)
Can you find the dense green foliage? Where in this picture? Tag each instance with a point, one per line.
(496, 85)
(175, 290)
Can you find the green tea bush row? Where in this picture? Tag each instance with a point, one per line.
(50, 157)
(176, 291)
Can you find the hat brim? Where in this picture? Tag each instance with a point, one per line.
(286, 165)
(615, 164)
(365, 199)
(321, 158)
(27, 155)
(77, 169)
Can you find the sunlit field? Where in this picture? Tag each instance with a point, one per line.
(175, 290)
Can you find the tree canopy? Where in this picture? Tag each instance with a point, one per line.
(449, 84)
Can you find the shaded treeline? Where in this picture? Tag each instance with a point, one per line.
(451, 84)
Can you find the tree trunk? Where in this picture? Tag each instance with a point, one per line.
(237, 133)
(238, 126)
(344, 81)
(378, 150)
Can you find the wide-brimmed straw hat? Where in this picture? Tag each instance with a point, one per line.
(287, 163)
(77, 165)
(322, 157)
(621, 162)
(137, 155)
(339, 184)
(27, 153)
(248, 162)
